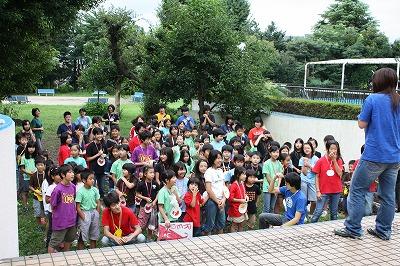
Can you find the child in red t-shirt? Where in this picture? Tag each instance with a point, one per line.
(193, 201)
(237, 212)
(328, 181)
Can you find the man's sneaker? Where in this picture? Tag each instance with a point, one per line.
(344, 233)
(324, 213)
(373, 232)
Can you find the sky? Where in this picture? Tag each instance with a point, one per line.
(296, 17)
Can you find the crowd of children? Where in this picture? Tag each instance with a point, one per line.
(164, 172)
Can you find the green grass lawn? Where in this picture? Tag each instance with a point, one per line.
(52, 117)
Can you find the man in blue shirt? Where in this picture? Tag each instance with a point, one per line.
(186, 118)
(296, 203)
(67, 126)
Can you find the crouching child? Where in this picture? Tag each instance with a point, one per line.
(121, 226)
(296, 203)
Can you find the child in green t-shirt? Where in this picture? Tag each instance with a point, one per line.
(116, 167)
(271, 168)
(168, 199)
(88, 207)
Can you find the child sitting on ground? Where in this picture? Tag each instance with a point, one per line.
(121, 226)
(88, 207)
(296, 203)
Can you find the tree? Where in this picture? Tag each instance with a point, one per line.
(396, 48)
(113, 51)
(27, 31)
(347, 30)
(239, 11)
(194, 54)
(273, 34)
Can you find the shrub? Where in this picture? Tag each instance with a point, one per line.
(65, 88)
(320, 109)
(95, 108)
(9, 109)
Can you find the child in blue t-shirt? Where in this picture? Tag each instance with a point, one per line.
(296, 203)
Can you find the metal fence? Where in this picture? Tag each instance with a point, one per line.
(326, 94)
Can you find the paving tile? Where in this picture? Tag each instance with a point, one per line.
(310, 244)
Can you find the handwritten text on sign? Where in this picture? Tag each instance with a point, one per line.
(175, 231)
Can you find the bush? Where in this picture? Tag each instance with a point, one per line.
(9, 109)
(96, 108)
(320, 109)
(65, 88)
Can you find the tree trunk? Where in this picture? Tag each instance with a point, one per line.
(201, 98)
(118, 96)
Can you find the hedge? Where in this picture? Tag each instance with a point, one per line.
(319, 109)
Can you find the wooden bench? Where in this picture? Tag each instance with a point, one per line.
(102, 93)
(46, 91)
(18, 99)
(138, 97)
(100, 100)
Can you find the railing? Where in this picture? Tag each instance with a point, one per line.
(326, 94)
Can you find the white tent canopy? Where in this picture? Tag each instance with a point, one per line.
(344, 62)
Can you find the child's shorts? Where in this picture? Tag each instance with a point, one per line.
(309, 191)
(238, 220)
(24, 185)
(60, 236)
(89, 228)
(143, 218)
(38, 210)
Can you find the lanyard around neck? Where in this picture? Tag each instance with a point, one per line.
(120, 219)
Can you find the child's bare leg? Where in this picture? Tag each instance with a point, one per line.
(51, 250)
(81, 245)
(312, 207)
(93, 243)
(234, 227)
(240, 226)
(24, 198)
(67, 246)
(149, 234)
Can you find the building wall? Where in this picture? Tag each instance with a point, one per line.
(8, 190)
(288, 127)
